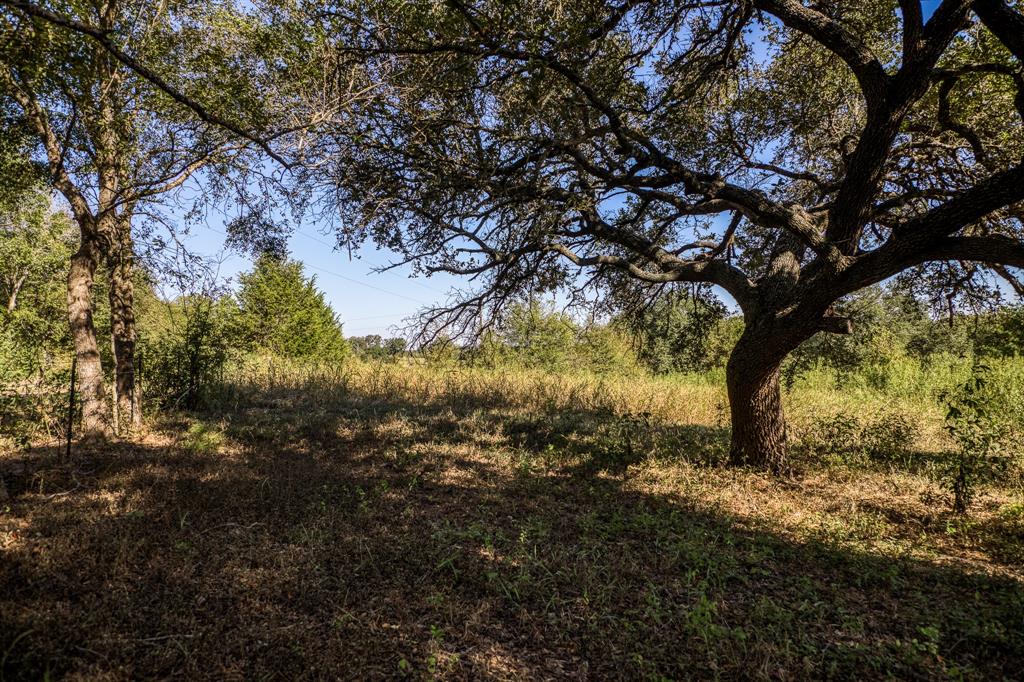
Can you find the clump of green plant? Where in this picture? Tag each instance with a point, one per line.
(185, 365)
(25, 417)
(889, 436)
(375, 347)
(979, 433)
(630, 438)
(441, 352)
(850, 439)
(202, 439)
(34, 409)
(834, 437)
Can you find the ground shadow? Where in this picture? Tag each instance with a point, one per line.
(393, 539)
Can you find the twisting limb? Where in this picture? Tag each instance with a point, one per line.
(1004, 23)
(851, 49)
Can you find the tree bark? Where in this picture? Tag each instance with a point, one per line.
(758, 424)
(752, 378)
(95, 413)
(12, 301)
(122, 330)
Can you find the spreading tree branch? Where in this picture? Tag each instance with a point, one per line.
(103, 38)
(1005, 24)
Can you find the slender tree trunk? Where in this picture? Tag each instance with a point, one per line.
(122, 329)
(95, 414)
(12, 301)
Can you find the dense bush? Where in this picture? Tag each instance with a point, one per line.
(898, 348)
(184, 366)
(985, 418)
(1001, 334)
(891, 332)
(442, 352)
(604, 349)
(36, 241)
(532, 336)
(846, 438)
(35, 409)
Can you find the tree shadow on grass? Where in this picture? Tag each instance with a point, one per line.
(345, 544)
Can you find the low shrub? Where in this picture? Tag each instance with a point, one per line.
(845, 438)
(985, 426)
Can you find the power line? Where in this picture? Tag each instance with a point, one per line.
(341, 276)
(391, 274)
(350, 330)
(370, 286)
(375, 317)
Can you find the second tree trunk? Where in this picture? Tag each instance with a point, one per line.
(122, 332)
(95, 414)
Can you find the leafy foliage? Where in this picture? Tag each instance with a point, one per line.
(683, 332)
(281, 312)
(896, 340)
(35, 244)
(1001, 334)
(185, 365)
(852, 439)
(980, 432)
(375, 347)
(535, 337)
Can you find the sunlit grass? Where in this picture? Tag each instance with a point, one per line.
(697, 399)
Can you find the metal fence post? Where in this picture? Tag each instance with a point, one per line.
(137, 385)
(71, 405)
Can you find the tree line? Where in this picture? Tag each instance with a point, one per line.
(184, 339)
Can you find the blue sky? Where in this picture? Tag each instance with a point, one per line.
(366, 302)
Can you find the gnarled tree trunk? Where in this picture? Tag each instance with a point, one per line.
(95, 414)
(122, 330)
(752, 378)
(758, 424)
(755, 400)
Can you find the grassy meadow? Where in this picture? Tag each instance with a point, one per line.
(403, 519)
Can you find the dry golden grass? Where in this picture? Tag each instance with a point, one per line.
(676, 399)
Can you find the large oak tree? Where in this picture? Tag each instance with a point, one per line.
(790, 153)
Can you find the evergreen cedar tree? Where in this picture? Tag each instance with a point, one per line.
(282, 312)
